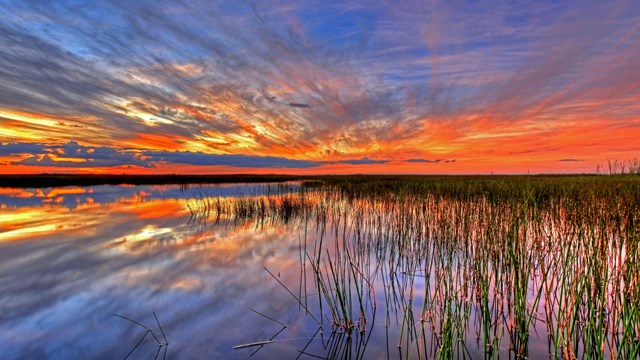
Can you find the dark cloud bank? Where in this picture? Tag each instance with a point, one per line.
(51, 155)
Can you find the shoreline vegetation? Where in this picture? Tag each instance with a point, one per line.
(500, 266)
(515, 267)
(57, 180)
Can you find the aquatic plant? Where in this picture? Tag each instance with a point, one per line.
(461, 265)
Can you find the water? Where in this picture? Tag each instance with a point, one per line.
(226, 266)
(72, 257)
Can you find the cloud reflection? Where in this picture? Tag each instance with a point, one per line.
(132, 258)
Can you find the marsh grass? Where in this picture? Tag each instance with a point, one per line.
(271, 204)
(464, 265)
(148, 330)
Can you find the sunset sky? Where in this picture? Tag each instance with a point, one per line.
(318, 87)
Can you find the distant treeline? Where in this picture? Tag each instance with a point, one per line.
(361, 183)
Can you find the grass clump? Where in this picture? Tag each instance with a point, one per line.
(468, 265)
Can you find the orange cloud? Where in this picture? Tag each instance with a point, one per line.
(157, 142)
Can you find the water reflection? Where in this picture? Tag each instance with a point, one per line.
(292, 271)
(64, 270)
(72, 197)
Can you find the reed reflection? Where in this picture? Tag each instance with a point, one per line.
(344, 268)
(466, 269)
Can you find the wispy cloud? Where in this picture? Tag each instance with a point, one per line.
(435, 161)
(364, 161)
(322, 81)
(73, 155)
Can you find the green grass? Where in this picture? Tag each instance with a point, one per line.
(491, 263)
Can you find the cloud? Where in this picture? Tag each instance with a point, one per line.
(241, 161)
(299, 105)
(284, 79)
(436, 161)
(48, 160)
(74, 155)
(19, 148)
(570, 160)
(363, 161)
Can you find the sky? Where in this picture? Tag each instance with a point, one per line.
(318, 87)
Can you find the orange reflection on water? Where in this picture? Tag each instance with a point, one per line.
(56, 192)
(138, 207)
(45, 221)
(16, 193)
(56, 221)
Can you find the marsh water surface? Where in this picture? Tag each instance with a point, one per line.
(287, 270)
(72, 257)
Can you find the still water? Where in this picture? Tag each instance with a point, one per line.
(72, 257)
(290, 270)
